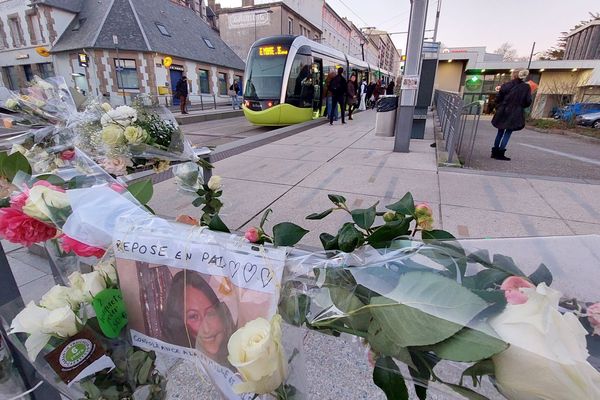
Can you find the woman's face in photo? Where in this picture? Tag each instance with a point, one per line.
(204, 321)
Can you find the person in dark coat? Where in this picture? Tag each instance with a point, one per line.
(390, 88)
(181, 91)
(338, 87)
(352, 96)
(370, 90)
(512, 99)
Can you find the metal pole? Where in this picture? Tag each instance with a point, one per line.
(120, 74)
(531, 55)
(255, 27)
(408, 98)
(362, 50)
(437, 20)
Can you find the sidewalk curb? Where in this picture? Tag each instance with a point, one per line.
(192, 119)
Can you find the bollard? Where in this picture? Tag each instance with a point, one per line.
(215, 100)
(201, 102)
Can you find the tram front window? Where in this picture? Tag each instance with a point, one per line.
(265, 72)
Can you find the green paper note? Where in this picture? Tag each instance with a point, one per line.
(110, 311)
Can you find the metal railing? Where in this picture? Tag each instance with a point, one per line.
(459, 123)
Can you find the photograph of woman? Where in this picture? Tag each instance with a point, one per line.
(194, 317)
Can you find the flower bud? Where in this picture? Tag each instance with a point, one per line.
(214, 183)
(253, 234)
(389, 216)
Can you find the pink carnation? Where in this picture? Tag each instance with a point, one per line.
(48, 185)
(81, 249)
(512, 289)
(593, 313)
(67, 155)
(252, 235)
(17, 227)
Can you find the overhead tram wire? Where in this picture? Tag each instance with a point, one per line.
(352, 11)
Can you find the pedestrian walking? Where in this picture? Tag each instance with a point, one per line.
(363, 96)
(390, 88)
(352, 96)
(181, 91)
(370, 97)
(338, 87)
(329, 100)
(234, 89)
(512, 99)
(376, 93)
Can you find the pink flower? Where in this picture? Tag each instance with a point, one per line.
(67, 155)
(593, 313)
(16, 227)
(19, 200)
(423, 209)
(48, 185)
(424, 215)
(116, 166)
(253, 234)
(512, 289)
(186, 219)
(117, 187)
(81, 249)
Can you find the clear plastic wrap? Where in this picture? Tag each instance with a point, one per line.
(522, 311)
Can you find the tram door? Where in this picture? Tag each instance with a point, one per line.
(317, 78)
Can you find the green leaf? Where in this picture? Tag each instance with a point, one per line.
(420, 370)
(466, 392)
(144, 372)
(477, 370)
(294, 308)
(349, 238)
(53, 179)
(436, 234)
(337, 199)
(541, 274)
(470, 344)
(383, 344)
(389, 231)
(405, 206)
(347, 302)
(364, 217)
(198, 201)
(91, 390)
(287, 234)
(485, 279)
(328, 241)
(217, 224)
(10, 165)
(142, 190)
(425, 308)
(5, 202)
(320, 215)
(388, 377)
(264, 217)
(480, 256)
(506, 264)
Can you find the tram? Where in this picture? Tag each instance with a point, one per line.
(285, 79)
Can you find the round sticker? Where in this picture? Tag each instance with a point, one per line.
(75, 352)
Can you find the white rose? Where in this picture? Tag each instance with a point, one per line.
(257, 353)
(214, 183)
(547, 357)
(94, 283)
(116, 166)
(41, 199)
(57, 297)
(112, 134)
(30, 320)
(11, 104)
(107, 268)
(135, 135)
(86, 286)
(61, 322)
(106, 107)
(122, 115)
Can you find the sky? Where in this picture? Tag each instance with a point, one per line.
(486, 23)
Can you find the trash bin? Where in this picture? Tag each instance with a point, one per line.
(385, 121)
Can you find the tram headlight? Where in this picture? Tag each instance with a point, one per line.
(271, 103)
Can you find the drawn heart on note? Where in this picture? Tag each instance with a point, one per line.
(233, 267)
(249, 271)
(266, 276)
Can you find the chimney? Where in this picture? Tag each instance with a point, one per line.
(247, 3)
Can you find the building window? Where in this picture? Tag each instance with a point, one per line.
(126, 74)
(222, 83)
(16, 32)
(300, 87)
(208, 43)
(203, 78)
(3, 44)
(35, 31)
(28, 72)
(10, 77)
(46, 70)
(162, 29)
(290, 26)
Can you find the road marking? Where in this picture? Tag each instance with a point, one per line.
(560, 153)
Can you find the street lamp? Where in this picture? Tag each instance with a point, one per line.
(259, 13)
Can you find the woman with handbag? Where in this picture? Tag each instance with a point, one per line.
(352, 97)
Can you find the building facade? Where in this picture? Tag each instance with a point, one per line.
(336, 33)
(357, 41)
(476, 74)
(133, 47)
(388, 55)
(584, 43)
(26, 35)
(240, 27)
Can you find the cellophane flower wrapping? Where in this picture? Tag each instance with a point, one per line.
(506, 318)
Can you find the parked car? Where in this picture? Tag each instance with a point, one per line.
(590, 119)
(571, 111)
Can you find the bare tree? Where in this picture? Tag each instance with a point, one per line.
(562, 92)
(507, 51)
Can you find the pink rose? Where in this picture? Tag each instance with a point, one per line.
(253, 234)
(116, 166)
(48, 185)
(512, 289)
(81, 249)
(423, 209)
(67, 155)
(18, 201)
(16, 227)
(593, 313)
(117, 187)
(424, 215)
